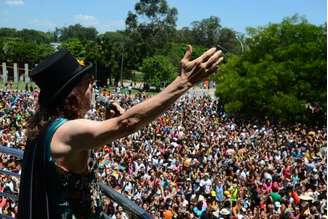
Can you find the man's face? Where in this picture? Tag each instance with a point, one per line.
(85, 91)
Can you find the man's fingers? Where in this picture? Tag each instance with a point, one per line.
(191, 65)
(119, 108)
(214, 58)
(219, 61)
(206, 55)
(194, 72)
(214, 67)
(187, 55)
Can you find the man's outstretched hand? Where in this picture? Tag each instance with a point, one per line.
(202, 67)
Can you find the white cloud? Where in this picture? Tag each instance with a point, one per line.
(86, 20)
(117, 23)
(14, 2)
(112, 25)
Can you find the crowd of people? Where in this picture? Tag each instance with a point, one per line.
(194, 161)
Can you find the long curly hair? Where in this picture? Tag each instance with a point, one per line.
(68, 109)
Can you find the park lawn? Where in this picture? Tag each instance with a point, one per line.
(21, 86)
(16, 86)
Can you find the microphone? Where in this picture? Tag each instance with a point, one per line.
(107, 103)
(102, 100)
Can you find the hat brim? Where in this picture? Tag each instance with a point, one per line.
(64, 91)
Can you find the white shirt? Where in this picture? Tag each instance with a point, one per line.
(207, 183)
(10, 185)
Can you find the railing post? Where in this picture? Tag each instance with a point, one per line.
(15, 73)
(4, 72)
(27, 78)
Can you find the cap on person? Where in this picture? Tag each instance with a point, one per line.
(224, 212)
(227, 193)
(277, 204)
(213, 193)
(201, 198)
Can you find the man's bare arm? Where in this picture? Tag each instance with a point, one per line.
(84, 134)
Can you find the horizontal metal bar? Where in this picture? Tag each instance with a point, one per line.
(9, 195)
(12, 151)
(9, 173)
(117, 197)
(6, 217)
(123, 201)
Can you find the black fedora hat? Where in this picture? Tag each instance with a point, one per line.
(57, 75)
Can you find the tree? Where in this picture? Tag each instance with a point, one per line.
(76, 31)
(177, 51)
(75, 47)
(25, 46)
(229, 39)
(17, 50)
(184, 35)
(29, 35)
(117, 54)
(151, 26)
(158, 71)
(35, 36)
(206, 31)
(8, 32)
(282, 72)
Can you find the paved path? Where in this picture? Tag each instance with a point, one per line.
(197, 91)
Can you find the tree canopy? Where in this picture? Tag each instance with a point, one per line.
(281, 75)
(75, 31)
(151, 26)
(158, 71)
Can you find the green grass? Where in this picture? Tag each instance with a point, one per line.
(138, 76)
(21, 86)
(133, 91)
(16, 86)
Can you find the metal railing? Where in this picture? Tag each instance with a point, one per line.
(129, 206)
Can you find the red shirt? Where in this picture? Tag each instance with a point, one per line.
(286, 172)
(296, 198)
(3, 200)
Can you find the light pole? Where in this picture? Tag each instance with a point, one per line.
(226, 50)
(122, 65)
(241, 44)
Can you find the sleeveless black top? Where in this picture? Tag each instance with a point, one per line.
(72, 195)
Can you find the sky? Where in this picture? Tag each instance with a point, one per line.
(109, 15)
